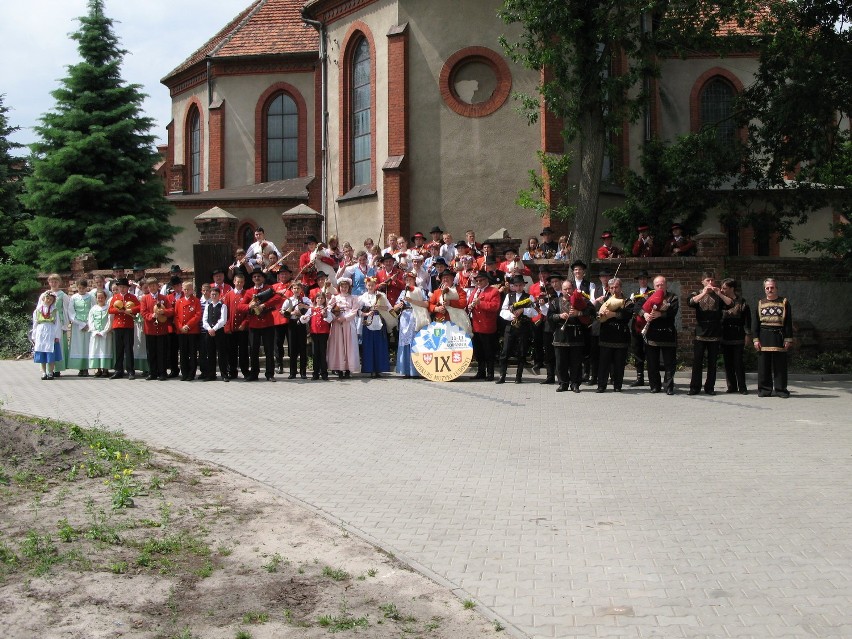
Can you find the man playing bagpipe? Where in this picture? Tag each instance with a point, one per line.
(659, 313)
(570, 317)
(518, 309)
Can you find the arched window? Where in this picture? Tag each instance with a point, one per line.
(716, 109)
(282, 138)
(194, 150)
(361, 115)
(246, 235)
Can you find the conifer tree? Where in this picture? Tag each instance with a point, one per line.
(93, 188)
(12, 171)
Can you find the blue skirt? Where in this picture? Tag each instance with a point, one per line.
(43, 357)
(404, 365)
(375, 357)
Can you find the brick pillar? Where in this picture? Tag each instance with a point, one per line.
(177, 178)
(711, 245)
(397, 213)
(82, 265)
(217, 226)
(299, 222)
(216, 147)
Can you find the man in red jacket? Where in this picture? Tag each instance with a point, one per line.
(259, 305)
(483, 307)
(236, 329)
(157, 313)
(188, 328)
(123, 307)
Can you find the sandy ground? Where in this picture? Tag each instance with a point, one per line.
(202, 552)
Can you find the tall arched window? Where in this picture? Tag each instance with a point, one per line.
(282, 139)
(361, 115)
(716, 109)
(194, 139)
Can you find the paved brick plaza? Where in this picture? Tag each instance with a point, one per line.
(631, 515)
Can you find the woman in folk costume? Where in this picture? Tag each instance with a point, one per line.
(78, 347)
(63, 307)
(375, 358)
(47, 334)
(100, 335)
(358, 273)
(318, 319)
(343, 338)
(413, 309)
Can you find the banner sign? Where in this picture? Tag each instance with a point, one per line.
(441, 351)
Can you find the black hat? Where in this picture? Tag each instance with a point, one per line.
(450, 273)
(436, 229)
(439, 260)
(321, 274)
(311, 239)
(461, 244)
(117, 267)
(579, 263)
(284, 269)
(546, 231)
(642, 274)
(122, 281)
(254, 273)
(481, 274)
(605, 271)
(175, 279)
(216, 272)
(556, 276)
(137, 267)
(175, 269)
(388, 256)
(517, 279)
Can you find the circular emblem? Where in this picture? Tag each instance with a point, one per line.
(441, 351)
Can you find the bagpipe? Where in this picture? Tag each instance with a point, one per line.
(653, 303)
(611, 305)
(258, 300)
(580, 301)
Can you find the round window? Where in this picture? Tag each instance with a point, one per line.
(475, 82)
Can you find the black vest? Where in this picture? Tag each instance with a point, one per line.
(214, 313)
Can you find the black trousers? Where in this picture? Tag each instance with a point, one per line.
(217, 349)
(485, 352)
(638, 344)
(298, 349)
(266, 337)
(123, 350)
(282, 332)
(515, 341)
(611, 363)
(669, 355)
(188, 346)
(593, 357)
(158, 353)
(538, 344)
(172, 354)
(734, 367)
(238, 353)
(569, 364)
(549, 354)
(699, 349)
(772, 371)
(319, 345)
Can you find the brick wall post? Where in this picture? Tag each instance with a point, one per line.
(299, 222)
(217, 226)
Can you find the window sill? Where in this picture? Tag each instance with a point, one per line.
(358, 192)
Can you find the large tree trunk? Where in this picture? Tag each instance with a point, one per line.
(592, 147)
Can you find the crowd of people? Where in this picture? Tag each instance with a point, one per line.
(355, 308)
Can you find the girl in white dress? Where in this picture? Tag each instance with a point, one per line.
(78, 347)
(100, 336)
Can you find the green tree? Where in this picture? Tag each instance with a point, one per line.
(797, 112)
(13, 169)
(679, 180)
(578, 42)
(93, 188)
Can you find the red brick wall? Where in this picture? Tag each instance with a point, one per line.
(216, 147)
(396, 188)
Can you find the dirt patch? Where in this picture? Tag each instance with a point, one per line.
(103, 537)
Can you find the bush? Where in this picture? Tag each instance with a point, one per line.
(829, 363)
(15, 325)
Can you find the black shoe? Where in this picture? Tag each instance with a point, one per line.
(55, 374)
(251, 378)
(270, 379)
(709, 392)
(591, 382)
(479, 375)
(638, 382)
(325, 378)
(549, 380)
(575, 388)
(562, 388)
(502, 380)
(536, 369)
(291, 376)
(617, 390)
(315, 376)
(116, 376)
(150, 378)
(655, 390)
(744, 392)
(782, 394)
(518, 380)
(281, 369)
(670, 391)
(691, 392)
(730, 391)
(304, 375)
(763, 394)
(600, 390)
(340, 374)
(347, 374)
(163, 378)
(489, 377)
(225, 378)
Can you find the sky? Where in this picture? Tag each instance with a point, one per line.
(35, 50)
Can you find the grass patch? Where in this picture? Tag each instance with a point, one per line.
(255, 617)
(338, 574)
(469, 604)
